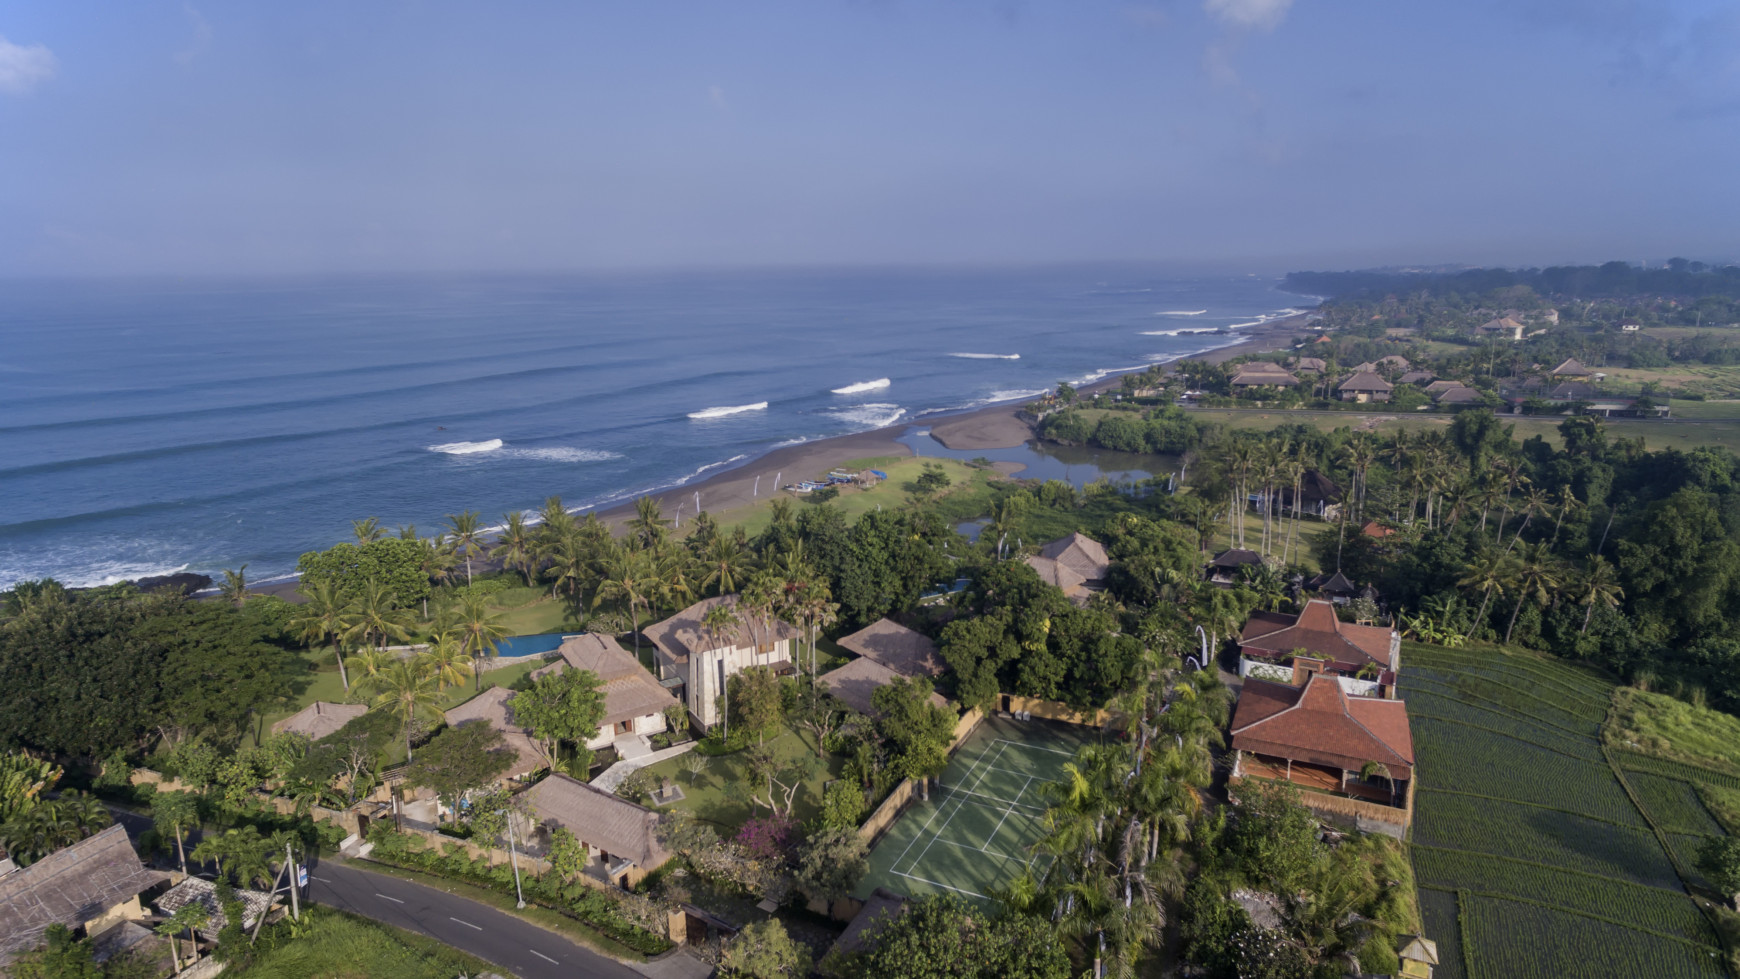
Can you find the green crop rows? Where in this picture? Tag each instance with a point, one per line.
(1657, 909)
(1634, 762)
(1532, 858)
(1516, 940)
(1438, 911)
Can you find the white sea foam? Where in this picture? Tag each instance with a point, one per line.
(863, 386)
(870, 415)
(1181, 312)
(562, 454)
(1107, 371)
(467, 448)
(995, 397)
(988, 356)
(728, 410)
(711, 466)
(94, 575)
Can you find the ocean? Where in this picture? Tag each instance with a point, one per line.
(151, 426)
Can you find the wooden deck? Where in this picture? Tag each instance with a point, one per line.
(1316, 778)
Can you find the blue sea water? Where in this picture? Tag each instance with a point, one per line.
(148, 426)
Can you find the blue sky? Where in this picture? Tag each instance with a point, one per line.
(171, 137)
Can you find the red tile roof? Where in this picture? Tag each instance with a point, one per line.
(1320, 633)
(1320, 724)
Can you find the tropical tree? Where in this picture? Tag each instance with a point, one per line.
(726, 563)
(630, 579)
(407, 689)
(23, 779)
(451, 663)
(235, 586)
(649, 526)
(241, 853)
(515, 547)
(188, 918)
(375, 616)
(1534, 576)
(173, 814)
(1489, 574)
(324, 616)
(467, 537)
(482, 628)
(1599, 585)
(367, 531)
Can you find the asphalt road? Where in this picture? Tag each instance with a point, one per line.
(494, 936)
(527, 950)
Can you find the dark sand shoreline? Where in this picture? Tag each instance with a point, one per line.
(990, 427)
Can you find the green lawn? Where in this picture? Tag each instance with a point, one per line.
(1659, 725)
(344, 946)
(720, 795)
(966, 484)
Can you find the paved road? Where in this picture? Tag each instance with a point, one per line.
(494, 936)
(530, 951)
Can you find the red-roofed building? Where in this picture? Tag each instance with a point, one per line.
(1354, 755)
(1364, 656)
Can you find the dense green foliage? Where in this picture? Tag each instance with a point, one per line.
(86, 673)
(942, 938)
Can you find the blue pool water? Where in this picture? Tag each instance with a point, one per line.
(528, 645)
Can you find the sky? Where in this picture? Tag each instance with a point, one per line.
(169, 137)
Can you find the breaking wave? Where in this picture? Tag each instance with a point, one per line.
(562, 454)
(863, 386)
(871, 416)
(466, 448)
(1181, 312)
(727, 410)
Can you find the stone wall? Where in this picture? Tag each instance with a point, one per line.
(1052, 710)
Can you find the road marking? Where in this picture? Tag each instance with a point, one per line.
(323, 880)
(466, 923)
(392, 899)
(546, 958)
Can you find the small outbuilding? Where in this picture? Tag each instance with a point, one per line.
(319, 719)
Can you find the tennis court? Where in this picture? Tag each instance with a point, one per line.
(975, 832)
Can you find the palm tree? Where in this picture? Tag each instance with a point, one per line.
(1567, 502)
(1359, 453)
(407, 690)
(375, 616)
(188, 918)
(235, 586)
(516, 546)
(726, 562)
(1600, 584)
(482, 628)
(570, 557)
(240, 853)
(467, 537)
(324, 616)
(367, 531)
(649, 525)
(1535, 576)
(1534, 504)
(1490, 573)
(370, 663)
(630, 578)
(449, 660)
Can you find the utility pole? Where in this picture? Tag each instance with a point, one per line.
(295, 883)
(514, 858)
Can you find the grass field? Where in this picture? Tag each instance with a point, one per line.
(976, 832)
(343, 946)
(1535, 853)
(720, 793)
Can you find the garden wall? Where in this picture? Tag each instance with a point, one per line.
(891, 807)
(1052, 710)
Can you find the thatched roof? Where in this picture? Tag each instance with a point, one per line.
(857, 681)
(1365, 381)
(896, 647)
(1055, 573)
(1572, 367)
(70, 886)
(629, 690)
(319, 719)
(598, 819)
(685, 633)
(1079, 553)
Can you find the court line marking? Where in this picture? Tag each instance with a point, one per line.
(1037, 747)
(941, 804)
(1008, 812)
(946, 887)
(941, 829)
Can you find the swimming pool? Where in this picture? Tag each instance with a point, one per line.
(530, 645)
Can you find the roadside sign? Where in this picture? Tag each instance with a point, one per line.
(301, 876)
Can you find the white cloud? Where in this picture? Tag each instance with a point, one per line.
(23, 68)
(1248, 14)
(202, 34)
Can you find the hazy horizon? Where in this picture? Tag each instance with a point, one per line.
(1224, 136)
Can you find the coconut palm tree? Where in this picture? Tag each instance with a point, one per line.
(1489, 573)
(467, 537)
(235, 586)
(449, 660)
(630, 579)
(515, 547)
(325, 616)
(407, 689)
(482, 628)
(1534, 576)
(649, 526)
(726, 562)
(718, 620)
(375, 616)
(369, 663)
(367, 531)
(189, 918)
(569, 558)
(1598, 585)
